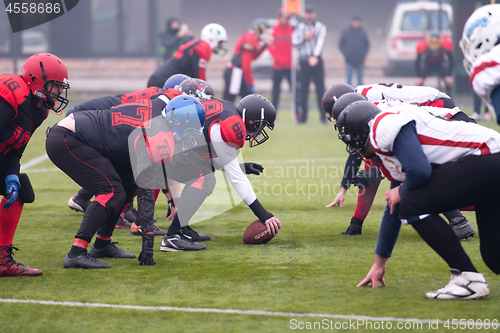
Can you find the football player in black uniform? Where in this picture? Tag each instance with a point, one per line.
(92, 147)
(25, 101)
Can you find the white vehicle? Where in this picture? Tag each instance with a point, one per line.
(409, 23)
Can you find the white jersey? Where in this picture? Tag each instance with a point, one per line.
(420, 95)
(227, 160)
(442, 141)
(485, 75)
(438, 112)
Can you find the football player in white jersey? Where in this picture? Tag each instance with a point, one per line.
(480, 46)
(434, 165)
(385, 96)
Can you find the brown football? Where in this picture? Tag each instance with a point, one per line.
(257, 233)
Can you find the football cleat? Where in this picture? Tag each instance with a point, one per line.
(84, 261)
(110, 251)
(122, 223)
(466, 286)
(179, 243)
(9, 267)
(77, 204)
(462, 227)
(136, 230)
(130, 215)
(192, 235)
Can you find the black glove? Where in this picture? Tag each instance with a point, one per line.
(171, 205)
(368, 177)
(146, 256)
(251, 168)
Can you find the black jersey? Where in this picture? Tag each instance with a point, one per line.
(19, 118)
(107, 131)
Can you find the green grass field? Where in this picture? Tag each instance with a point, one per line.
(309, 267)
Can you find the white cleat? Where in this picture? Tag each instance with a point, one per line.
(466, 286)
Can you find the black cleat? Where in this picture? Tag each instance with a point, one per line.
(462, 227)
(192, 235)
(110, 251)
(78, 204)
(137, 231)
(179, 243)
(122, 223)
(84, 261)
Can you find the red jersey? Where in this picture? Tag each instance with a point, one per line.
(232, 128)
(281, 49)
(247, 48)
(19, 118)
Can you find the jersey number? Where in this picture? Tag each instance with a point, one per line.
(143, 116)
(238, 131)
(16, 141)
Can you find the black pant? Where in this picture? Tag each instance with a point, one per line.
(278, 75)
(244, 88)
(317, 74)
(472, 180)
(94, 172)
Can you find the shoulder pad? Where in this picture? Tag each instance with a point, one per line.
(13, 90)
(233, 131)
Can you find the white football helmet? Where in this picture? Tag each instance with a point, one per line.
(215, 35)
(481, 33)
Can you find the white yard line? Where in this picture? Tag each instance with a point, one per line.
(34, 162)
(224, 311)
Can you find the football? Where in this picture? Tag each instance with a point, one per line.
(256, 233)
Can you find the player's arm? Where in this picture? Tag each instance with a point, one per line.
(227, 158)
(199, 60)
(246, 63)
(351, 168)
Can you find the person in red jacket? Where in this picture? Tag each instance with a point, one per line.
(25, 101)
(192, 58)
(281, 51)
(249, 46)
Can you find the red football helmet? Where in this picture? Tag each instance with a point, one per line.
(47, 77)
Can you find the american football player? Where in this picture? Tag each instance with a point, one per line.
(192, 58)
(421, 155)
(94, 149)
(25, 101)
(238, 77)
(225, 130)
(479, 45)
(386, 96)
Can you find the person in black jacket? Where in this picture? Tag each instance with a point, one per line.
(354, 46)
(173, 37)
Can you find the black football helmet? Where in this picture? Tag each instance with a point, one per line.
(342, 102)
(353, 124)
(196, 88)
(257, 113)
(331, 95)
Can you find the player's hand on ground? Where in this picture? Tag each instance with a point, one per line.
(339, 199)
(392, 197)
(273, 225)
(376, 273)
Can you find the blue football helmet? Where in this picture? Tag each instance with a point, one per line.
(185, 116)
(174, 80)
